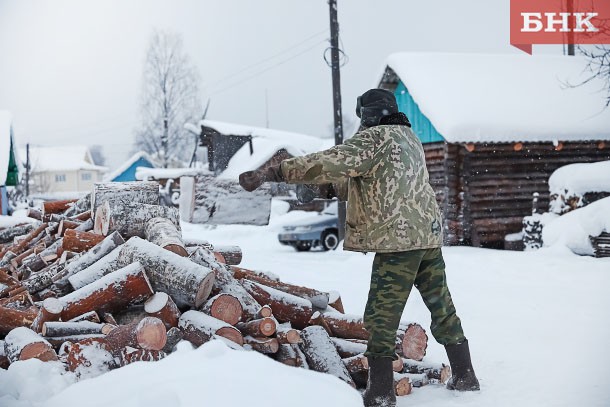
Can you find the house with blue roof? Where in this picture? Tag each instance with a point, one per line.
(494, 128)
(127, 171)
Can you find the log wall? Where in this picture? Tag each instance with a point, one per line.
(485, 193)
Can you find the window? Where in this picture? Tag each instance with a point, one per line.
(85, 176)
(60, 177)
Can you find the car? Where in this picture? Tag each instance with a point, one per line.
(318, 231)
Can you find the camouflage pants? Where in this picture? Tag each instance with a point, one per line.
(392, 278)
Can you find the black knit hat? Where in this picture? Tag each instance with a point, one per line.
(375, 104)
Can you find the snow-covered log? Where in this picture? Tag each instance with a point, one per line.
(89, 357)
(438, 372)
(129, 219)
(76, 241)
(162, 306)
(60, 328)
(87, 316)
(349, 348)
(97, 270)
(356, 364)
(124, 193)
(11, 318)
(164, 233)
(87, 259)
(23, 343)
(262, 344)
(131, 355)
(149, 333)
(225, 307)
(286, 334)
(188, 283)
(224, 282)
(112, 292)
(49, 311)
(286, 307)
(258, 327)
(8, 234)
(229, 254)
(174, 335)
(198, 328)
(318, 299)
(321, 354)
(291, 355)
(80, 206)
(50, 207)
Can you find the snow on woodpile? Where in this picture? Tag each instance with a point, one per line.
(573, 229)
(505, 98)
(569, 184)
(101, 299)
(149, 174)
(265, 143)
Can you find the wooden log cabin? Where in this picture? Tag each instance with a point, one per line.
(494, 128)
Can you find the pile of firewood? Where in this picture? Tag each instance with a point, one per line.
(108, 280)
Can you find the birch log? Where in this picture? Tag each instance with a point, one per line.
(23, 343)
(188, 283)
(124, 193)
(225, 283)
(112, 292)
(286, 307)
(130, 219)
(97, 270)
(165, 234)
(59, 328)
(321, 354)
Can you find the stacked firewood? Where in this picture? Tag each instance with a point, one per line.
(601, 244)
(108, 280)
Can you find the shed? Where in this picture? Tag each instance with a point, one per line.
(258, 146)
(9, 168)
(127, 171)
(494, 128)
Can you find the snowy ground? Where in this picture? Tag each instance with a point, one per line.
(537, 324)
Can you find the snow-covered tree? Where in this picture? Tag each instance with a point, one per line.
(169, 99)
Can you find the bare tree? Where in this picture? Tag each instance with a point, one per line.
(169, 99)
(598, 65)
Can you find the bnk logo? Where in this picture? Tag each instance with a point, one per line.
(559, 22)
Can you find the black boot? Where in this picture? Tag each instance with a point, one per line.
(463, 377)
(380, 384)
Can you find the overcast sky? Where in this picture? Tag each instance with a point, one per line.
(70, 69)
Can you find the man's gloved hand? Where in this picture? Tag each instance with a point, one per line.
(251, 180)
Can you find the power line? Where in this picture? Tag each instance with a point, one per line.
(290, 48)
(267, 69)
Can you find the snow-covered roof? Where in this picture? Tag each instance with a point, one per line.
(144, 173)
(265, 143)
(128, 163)
(64, 158)
(581, 178)
(505, 98)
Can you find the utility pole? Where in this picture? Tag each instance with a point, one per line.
(334, 59)
(571, 48)
(27, 170)
(338, 118)
(164, 141)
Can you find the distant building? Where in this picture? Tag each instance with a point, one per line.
(9, 168)
(494, 128)
(127, 171)
(235, 148)
(62, 171)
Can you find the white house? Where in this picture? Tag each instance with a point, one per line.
(65, 170)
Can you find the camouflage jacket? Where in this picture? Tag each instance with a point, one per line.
(391, 205)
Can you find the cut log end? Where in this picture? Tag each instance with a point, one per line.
(415, 342)
(402, 386)
(151, 334)
(231, 334)
(227, 308)
(179, 250)
(38, 350)
(204, 290)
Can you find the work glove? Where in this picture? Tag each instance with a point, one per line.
(251, 180)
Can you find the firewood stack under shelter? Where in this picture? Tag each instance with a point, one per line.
(107, 280)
